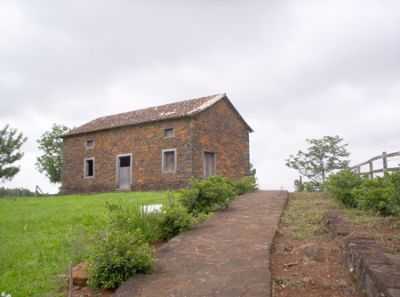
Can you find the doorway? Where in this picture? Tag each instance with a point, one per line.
(124, 171)
(209, 164)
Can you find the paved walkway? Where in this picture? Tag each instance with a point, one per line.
(227, 256)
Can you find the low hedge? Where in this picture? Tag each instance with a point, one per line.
(381, 194)
(207, 195)
(118, 255)
(174, 220)
(245, 185)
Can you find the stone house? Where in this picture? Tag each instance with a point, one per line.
(157, 148)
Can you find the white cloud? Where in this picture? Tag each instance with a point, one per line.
(295, 70)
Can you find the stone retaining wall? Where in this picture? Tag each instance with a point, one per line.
(377, 274)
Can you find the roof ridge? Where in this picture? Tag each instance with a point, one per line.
(173, 110)
(221, 95)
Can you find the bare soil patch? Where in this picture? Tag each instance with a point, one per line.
(307, 261)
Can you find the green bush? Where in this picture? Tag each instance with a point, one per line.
(381, 194)
(245, 185)
(174, 220)
(208, 195)
(395, 181)
(118, 255)
(312, 186)
(15, 192)
(132, 217)
(341, 186)
(375, 194)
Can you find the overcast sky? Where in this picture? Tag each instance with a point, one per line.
(294, 69)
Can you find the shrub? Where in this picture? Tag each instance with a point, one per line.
(207, 195)
(381, 194)
(245, 185)
(15, 192)
(132, 217)
(117, 256)
(174, 220)
(341, 186)
(395, 181)
(378, 194)
(312, 186)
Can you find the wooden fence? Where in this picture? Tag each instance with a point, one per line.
(371, 170)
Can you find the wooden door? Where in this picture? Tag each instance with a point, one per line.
(124, 172)
(209, 164)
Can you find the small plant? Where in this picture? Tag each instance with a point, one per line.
(378, 195)
(245, 185)
(312, 186)
(132, 217)
(208, 195)
(341, 186)
(381, 194)
(15, 192)
(5, 294)
(119, 255)
(174, 220)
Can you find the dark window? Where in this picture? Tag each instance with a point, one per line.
(89, 168)
(125, 161)
(169, 132)
(89, 143)
(209, 164)
(169, 161)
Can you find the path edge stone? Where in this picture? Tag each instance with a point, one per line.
(286, 193)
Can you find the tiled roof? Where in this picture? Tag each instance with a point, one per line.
(152, 114)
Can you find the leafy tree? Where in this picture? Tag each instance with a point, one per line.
(323, 156)
(51, 161)
(10, 143)
(252, 170)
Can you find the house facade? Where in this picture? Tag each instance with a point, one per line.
(157, 148)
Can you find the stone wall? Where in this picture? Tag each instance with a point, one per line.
(377, 273)
(144, 142)
(219, 129)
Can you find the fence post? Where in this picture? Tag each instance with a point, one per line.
(384, 160)
(371, 170)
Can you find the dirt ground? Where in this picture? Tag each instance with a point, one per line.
(306, 261)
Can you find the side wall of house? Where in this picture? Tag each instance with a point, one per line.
(144, 142)
(220, 130)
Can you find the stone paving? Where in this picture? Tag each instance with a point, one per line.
(226, 256)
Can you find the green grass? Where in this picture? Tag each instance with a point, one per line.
(40, 237)
(302, 218)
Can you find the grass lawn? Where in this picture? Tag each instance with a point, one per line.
(39, 237)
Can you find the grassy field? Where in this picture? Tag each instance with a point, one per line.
(307, 209)
(39, 237)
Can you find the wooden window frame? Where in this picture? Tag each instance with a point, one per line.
(163, 159)
(85, 168)
(89, 147)
(172, 135)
